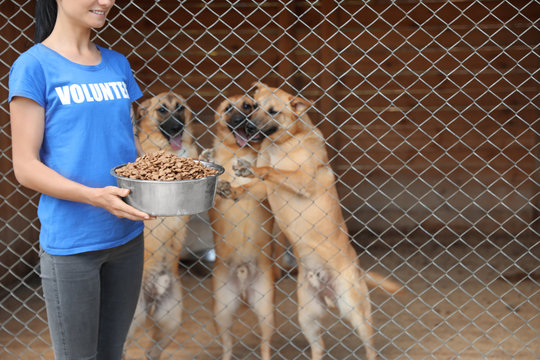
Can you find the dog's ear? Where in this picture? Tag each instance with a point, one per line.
(188, 115)
(299, 105)
(143, 109)
(258, 85)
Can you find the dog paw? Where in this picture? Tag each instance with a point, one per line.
(242, 168)
(157, 285)
(207, 155)
(224, 189)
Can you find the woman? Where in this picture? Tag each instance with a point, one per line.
(70, 104)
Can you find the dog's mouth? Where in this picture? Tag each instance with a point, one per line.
(176, 142)
(250, 133)
(269, 131)
(243, 138)
(245, 132)
(237, 125)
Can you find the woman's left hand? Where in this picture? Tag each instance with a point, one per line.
(110, 198)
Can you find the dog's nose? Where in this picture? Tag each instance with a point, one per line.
(251, 128)
(171, 127)
(236, 120)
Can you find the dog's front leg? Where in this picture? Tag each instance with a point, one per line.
(225, 190)
(207, 155)
(243, 168)
(294, 181)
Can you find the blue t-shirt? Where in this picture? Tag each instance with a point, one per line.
(87, 132)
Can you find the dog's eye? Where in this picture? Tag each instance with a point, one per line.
(246, 106)
(163, 110)
(272, 112)
(228, 108)
(180, 107)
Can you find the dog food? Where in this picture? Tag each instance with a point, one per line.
(164, 166)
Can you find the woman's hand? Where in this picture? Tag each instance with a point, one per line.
(110, 198)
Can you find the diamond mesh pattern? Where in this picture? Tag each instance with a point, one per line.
(430, 112)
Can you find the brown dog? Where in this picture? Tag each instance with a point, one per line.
(164, 123)
(301, 190)
(242, 229)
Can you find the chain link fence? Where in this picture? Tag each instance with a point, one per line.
(430, 115)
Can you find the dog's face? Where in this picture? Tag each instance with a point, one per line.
(277, 113)
(163, 121)
(234, 124)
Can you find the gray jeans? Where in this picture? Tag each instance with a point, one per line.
(91, 298)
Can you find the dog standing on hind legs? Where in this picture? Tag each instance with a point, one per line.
(164, 122)
(301, 191)
(242, 227)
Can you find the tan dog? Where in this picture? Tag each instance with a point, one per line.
(301, 191)
(242, 229)
(164, 123)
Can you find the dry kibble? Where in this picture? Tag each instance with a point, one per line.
(165, 166)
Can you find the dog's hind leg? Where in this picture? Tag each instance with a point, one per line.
(310, 310)
(261, 299)
(166, 315)
(354, 305)
(226, 301)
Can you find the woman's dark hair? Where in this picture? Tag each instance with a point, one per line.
(45, 16)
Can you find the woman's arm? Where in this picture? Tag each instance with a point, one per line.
(27, 129)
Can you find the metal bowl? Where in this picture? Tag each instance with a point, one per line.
(171, 198)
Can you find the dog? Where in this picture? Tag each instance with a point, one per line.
(242, 227)
(293, 164)
(164, 122)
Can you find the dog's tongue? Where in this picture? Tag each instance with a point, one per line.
(241, 137)
(176, 142)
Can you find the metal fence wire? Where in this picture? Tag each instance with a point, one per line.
(428, 112)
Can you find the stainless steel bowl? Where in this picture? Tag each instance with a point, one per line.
(171, 198)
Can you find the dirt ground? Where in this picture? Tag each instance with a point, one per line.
(463, 302)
